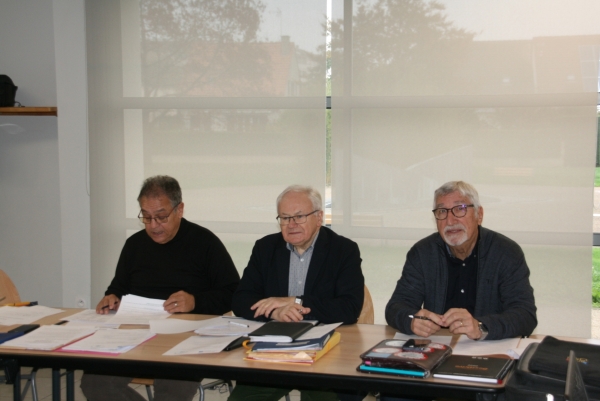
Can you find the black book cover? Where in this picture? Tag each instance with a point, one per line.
(280, 332)
(484, 369)
(389, 354)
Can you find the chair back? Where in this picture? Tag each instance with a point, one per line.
(8, 291)
(367, 314)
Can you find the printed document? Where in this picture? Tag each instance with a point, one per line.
(227, 326)
(139, 310)
(10, 315)
(91, 318)
(109, 341)
(48, 338)
(200, 345)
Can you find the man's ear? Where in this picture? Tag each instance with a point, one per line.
(480, 215)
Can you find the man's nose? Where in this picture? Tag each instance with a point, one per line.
(154, 223)
(293, 223)
(452, 219)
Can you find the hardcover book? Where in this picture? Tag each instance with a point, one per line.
(389, 354)
(482, 369)
(280, 332)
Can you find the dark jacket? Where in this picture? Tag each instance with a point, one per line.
(334, 288)
(504, 300)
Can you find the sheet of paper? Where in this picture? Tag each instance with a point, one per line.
(200, 345)
(174, 326)
(446, 340)
(318, 331)
(48, 338)
(465, 346)
(10, 315)
(139, 310)
(91, 318)
(517, 352)
(227, 326)
(110, 341)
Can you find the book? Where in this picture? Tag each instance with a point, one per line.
(314, 344)
(280, 332)
(390, 371)
(389, 354)
(483, 369)
(298, 357)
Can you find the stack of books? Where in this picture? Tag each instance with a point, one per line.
(396, 358)
(304, 352)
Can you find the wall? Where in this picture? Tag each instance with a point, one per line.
(44, 242)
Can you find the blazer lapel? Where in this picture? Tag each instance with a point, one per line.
(282, 266)
(317, 262)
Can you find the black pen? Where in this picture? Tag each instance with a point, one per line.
(420, 317)
(106, 306)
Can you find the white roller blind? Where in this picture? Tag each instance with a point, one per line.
(499, 94)
(227, 96)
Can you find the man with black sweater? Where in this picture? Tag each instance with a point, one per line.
(172, 259)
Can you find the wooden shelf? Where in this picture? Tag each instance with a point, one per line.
(28, 111)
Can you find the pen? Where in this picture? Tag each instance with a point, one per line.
(419, 317)
(239, 324)
(106, 306)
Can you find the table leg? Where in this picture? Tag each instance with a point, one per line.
(17, 386)
(55, 384)
(70, 385)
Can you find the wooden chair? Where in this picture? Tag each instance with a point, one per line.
(367, 314)
(10, 295)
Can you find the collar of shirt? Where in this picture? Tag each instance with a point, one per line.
(291, 247)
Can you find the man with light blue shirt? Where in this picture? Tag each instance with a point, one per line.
(305, 272)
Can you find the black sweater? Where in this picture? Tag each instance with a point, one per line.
(194, 261)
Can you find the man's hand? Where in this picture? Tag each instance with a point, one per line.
(108, 303)
(460, 321)
(266, 306)
(180, 301)
(290, 313)
(426, 327)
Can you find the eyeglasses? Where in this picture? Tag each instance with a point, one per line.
(441, 213)
(299, 219)
(159, 219)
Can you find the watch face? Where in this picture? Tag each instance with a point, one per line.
(298, 301)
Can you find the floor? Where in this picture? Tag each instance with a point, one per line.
(45, 389)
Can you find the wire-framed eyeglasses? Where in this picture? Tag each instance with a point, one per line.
(441, 213)
(299, 219)
(159, 219)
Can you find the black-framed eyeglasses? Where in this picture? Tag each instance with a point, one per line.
(159, 219)
(299, 219)
(441, 213)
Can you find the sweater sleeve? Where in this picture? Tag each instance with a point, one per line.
(223, 279)
(120, 285)
(409, 295)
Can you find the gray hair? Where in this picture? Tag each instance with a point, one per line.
(159, 185)
(462, 188)
(313, 195)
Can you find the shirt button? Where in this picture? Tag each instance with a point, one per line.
(301, 260)
(463, 291)
(464, 264)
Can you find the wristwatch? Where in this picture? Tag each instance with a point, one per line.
(483, 330)
(298, 300)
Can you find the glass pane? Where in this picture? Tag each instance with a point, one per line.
(223, 48)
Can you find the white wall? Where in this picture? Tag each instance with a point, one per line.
(44, 202)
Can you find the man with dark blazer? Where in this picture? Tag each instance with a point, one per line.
(304, 272)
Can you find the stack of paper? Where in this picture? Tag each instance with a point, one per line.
(10, 315)
(89, 317)
(108, 341)
(139, 310)
(306, 349)
(302, 357)
(48, 338)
